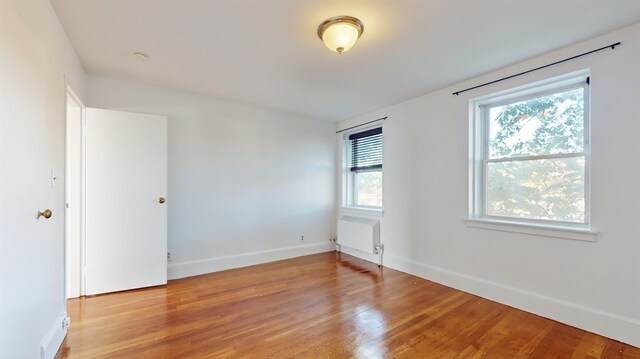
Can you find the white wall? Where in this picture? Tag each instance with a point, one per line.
(592, 285)
(244, 181)
(35, 58)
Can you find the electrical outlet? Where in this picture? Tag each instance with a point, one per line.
(169, 255)
(302, 237)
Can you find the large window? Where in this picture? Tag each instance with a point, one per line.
(530, 155)
(364, 168)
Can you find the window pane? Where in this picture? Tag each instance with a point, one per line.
(540, 189)
(544, 125)
(366, 150)
(368, 188)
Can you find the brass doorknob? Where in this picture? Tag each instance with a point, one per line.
(46, 213)
(161, 200)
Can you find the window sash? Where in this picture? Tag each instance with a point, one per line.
(485, 189)
(353, 201)
(485, 108)
(366, 150)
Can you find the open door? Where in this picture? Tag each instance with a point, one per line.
(126, 213)
(73, 195)
(32, 304)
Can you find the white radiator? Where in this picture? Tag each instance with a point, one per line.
(359, 233)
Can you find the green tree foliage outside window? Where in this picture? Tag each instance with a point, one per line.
(535, 160)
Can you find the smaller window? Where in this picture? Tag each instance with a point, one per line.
(531, 154)
(364, 169)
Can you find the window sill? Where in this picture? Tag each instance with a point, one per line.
(362, 212)
(579, 234)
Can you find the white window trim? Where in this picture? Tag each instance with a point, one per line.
(348, 189)
(537, 229)
(478, 133)
(363, 212)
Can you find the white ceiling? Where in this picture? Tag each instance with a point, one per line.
(266, 52)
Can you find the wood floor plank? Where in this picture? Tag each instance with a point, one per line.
(319, 306)
(590, 347)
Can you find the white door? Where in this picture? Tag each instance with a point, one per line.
(126, 217)
(31, 180)
(73, 194)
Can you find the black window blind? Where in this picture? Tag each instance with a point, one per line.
(366, 150)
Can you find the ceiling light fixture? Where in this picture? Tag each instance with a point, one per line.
(340, 33)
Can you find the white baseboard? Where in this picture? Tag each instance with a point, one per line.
(51, 343)
(209, 265)
(610, 325)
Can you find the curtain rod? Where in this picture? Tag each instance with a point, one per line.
(612, 46)
(362, 124)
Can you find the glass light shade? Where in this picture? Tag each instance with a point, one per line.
(340, 37)
(340, 33)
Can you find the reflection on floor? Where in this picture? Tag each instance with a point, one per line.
(319, 306)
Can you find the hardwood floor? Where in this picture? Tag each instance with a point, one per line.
(317, 307)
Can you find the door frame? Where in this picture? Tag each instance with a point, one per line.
(79, 215)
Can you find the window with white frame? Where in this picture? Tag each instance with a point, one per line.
(363, 170)
(530, 154)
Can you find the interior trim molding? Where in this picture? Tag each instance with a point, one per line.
(610, 325)
(52, 341)
(210, 265)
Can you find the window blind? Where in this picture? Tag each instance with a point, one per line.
(366, 150)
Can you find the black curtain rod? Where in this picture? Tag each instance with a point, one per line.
(612, 46)
(362, 124)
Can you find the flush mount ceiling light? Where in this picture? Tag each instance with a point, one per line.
(340, 33)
